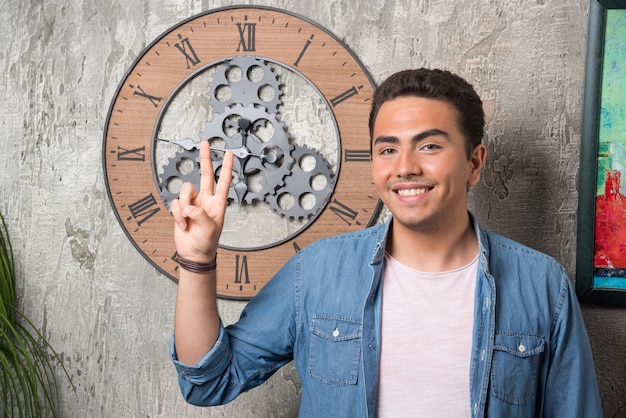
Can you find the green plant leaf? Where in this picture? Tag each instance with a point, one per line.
(7, 269)
(28, 380)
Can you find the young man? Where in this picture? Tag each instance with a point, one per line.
(426, 315)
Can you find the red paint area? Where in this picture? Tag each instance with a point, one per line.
(610, 228)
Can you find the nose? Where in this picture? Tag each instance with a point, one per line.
(407, 163)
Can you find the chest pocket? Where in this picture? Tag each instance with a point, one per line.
(516, 361)
(335, 349)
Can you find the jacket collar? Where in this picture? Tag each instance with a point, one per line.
(384, 229)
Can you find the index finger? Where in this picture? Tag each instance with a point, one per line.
(206, 168)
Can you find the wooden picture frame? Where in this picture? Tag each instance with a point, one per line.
(601, 243)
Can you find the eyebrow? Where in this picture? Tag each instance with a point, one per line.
(389, 139)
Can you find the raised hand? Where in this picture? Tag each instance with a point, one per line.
(199, 215)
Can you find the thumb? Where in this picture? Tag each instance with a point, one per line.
(192, 212)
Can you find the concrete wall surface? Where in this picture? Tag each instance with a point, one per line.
(110, 313)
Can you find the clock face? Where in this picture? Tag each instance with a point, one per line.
(285, 96)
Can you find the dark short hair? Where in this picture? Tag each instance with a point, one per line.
(435, 84)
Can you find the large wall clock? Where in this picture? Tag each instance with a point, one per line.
(286, 96)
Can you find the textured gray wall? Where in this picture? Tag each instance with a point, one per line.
(110, 313)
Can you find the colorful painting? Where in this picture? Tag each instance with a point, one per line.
(601, 247)
(610, 225)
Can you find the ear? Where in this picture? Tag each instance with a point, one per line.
(476, 164)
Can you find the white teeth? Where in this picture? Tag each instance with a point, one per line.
(411, 192)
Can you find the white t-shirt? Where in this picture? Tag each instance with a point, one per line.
(427, 323)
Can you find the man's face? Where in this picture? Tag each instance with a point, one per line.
(420, 165)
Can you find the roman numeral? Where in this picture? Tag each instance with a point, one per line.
(137, 154)
(241, 269)
(352, 91)
(143, 209)
(346, 214)
(357, 156)
(247, 36)
(306, 46)
(140, 92)
(186, 49)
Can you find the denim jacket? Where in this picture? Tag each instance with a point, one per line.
(530, 353)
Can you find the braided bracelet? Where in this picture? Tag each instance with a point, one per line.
(196, 267)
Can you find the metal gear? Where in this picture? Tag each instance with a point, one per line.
(300, 183)
(256, 76)
(172, 171)
(265, 138)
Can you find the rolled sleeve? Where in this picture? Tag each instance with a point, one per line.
(212, 364)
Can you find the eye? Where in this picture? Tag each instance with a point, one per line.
(386, 151)
(430, 147)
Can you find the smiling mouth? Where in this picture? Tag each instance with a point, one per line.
(412, 192)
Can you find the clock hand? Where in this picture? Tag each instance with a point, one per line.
(241, 189)
(187, 143)
(244, 125)
(243, 152)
